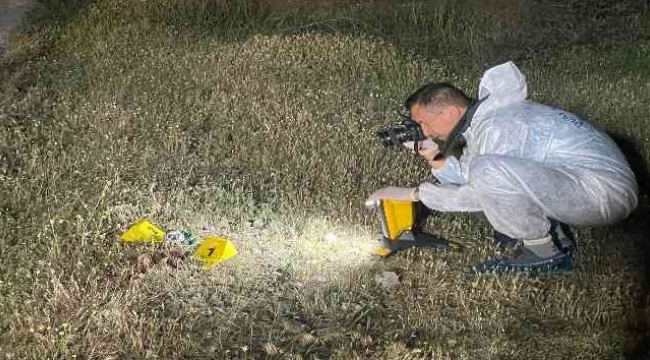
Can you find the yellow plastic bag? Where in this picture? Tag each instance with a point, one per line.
(144, 231)
(213, 250)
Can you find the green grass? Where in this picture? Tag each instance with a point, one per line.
(259, 126)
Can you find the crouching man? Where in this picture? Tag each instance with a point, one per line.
(528, 167)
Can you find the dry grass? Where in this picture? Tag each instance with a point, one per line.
(259, 127)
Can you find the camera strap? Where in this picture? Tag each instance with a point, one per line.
(456, 141)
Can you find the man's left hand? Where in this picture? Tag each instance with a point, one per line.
(392, 193)
(427, 148)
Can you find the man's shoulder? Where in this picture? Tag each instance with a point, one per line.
(528, 106)
(526, 111)
(515, 117)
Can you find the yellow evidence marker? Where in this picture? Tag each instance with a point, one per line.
(213, 250)
(144, 231)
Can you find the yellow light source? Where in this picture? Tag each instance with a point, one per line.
(399, 216)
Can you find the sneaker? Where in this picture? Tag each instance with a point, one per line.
(504, 241)
(525, 260)
(561, 233)
(562, 236)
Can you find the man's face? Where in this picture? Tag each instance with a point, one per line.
(436, 122)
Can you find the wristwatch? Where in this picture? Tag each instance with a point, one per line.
(415, 194)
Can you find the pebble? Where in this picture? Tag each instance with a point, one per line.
(319, 278)
(258, 223)
(387, 279)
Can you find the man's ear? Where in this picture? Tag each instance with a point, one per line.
(453, 113)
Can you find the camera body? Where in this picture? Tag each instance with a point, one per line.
(397, 134)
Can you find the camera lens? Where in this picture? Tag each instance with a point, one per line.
(397, 134)
(384, 139)
(401, 135)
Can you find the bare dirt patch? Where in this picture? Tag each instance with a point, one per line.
(11, 13)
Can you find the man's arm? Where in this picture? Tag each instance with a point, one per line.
(448, 170)
(445, 170)
(437, 162)
(448, 197)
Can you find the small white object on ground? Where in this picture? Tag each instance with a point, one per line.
(258, 223)
(174, 237)
(319, 278)
(209, 227)
(330, 238)
(387, 279)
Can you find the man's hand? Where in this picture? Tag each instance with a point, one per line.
(392, 193)
(429, 150)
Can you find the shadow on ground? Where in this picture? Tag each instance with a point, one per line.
(637, 228)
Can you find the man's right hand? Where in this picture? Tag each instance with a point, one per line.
(392, 193)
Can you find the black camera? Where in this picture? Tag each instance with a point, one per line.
(397, 134)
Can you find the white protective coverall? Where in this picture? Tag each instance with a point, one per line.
(526, 162)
